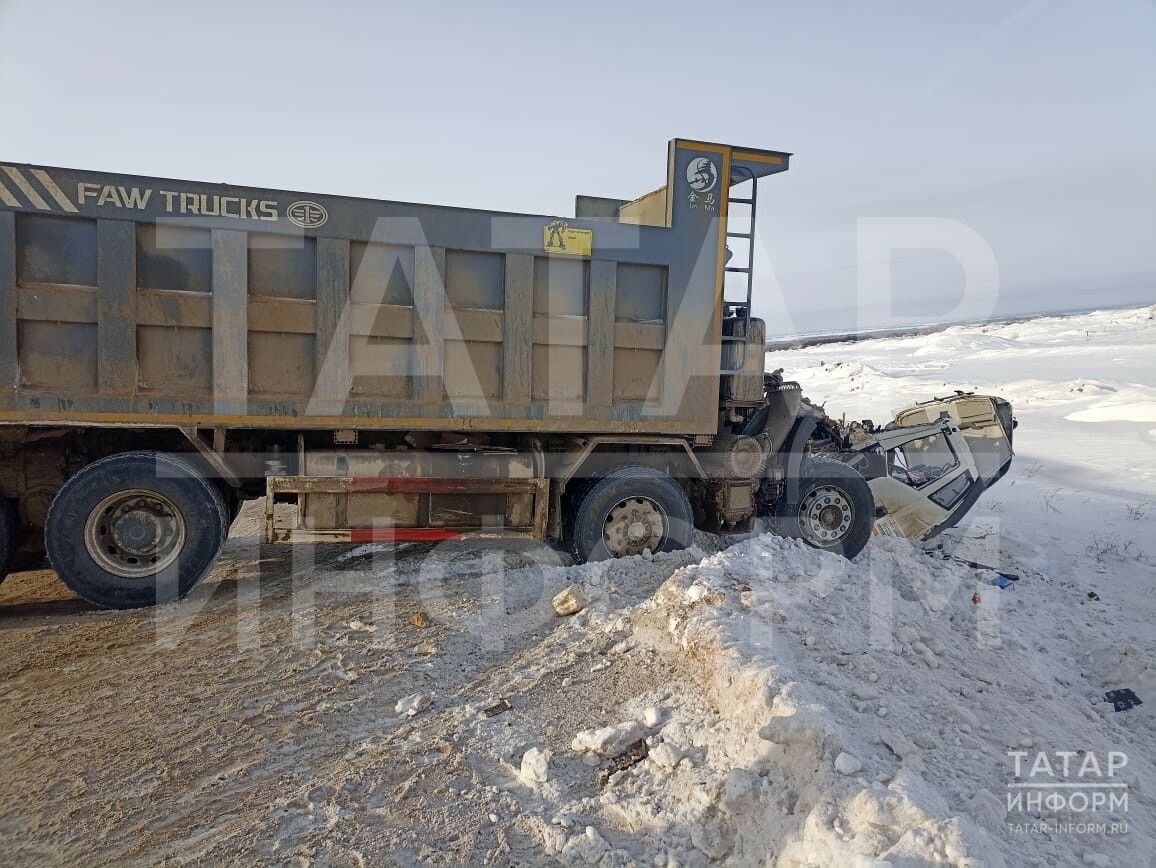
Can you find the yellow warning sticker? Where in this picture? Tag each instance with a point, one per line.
(558, 237)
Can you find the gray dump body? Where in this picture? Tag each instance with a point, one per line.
(145, 301)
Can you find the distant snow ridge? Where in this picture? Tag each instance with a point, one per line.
(965, 340)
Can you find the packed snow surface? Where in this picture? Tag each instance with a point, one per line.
(761, 704)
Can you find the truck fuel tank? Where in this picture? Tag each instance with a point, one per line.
(364, 510)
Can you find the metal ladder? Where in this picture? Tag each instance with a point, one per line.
(741, 308)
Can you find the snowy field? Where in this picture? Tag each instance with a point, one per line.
(796, 709)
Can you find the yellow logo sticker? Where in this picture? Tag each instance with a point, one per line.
(558, 237)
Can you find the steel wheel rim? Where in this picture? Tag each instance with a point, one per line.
(634, 525)
(135, 534)
(826, 515)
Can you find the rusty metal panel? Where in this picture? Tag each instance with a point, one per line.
(281, 276)
(642, 293)
(560, 286)
(281, 364)
(642, 336)
(475, 285)
(602, 373)
(282, 266)
(518, 328)
(560, 375)
(381, 366)
(56, 250)
(332, 328)
(486, 326)
(8, 309)
(230, 321)
(58, 357)
(639, 333)
(381, 321)
(175, 258)
(429, 304)
(560, 334)
(47, 303)
(116, 306)
(637, 375)
(475, 280)
(57, 345)
(283, 315)
(499, 505)
(175, 360)
(191, 310)
(473, 372)
(382, 273)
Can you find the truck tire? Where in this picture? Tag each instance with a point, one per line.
(233, 504)
(629, 510)
(9, 536)
(135, 530)
(835, 511)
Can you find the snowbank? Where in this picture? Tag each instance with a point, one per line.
(871, 713)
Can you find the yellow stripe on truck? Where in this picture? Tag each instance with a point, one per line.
(54, 191)
(7, 198)
(27, 189)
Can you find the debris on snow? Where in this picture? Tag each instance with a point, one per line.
(1123, 699)
(570, 601)
(499, 707)
(665, 755)
(535, 767)
(608, 740)
(633, 755)
(410, 705)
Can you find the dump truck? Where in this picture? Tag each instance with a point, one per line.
(386, 371)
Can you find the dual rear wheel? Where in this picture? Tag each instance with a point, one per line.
(636, 508)
(628, 511)
(9, 536)
(135, 529)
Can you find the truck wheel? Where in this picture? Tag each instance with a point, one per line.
(233, 504)
(629, 510)
(835, 512)
(9, 536)
(135, 529)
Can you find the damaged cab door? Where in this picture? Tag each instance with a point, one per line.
(929, 467)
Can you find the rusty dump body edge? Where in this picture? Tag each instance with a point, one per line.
(153, 302)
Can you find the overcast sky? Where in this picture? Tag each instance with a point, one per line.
(1032, 123)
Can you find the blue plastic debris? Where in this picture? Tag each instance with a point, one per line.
(1002, 582)
(1123, 699)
